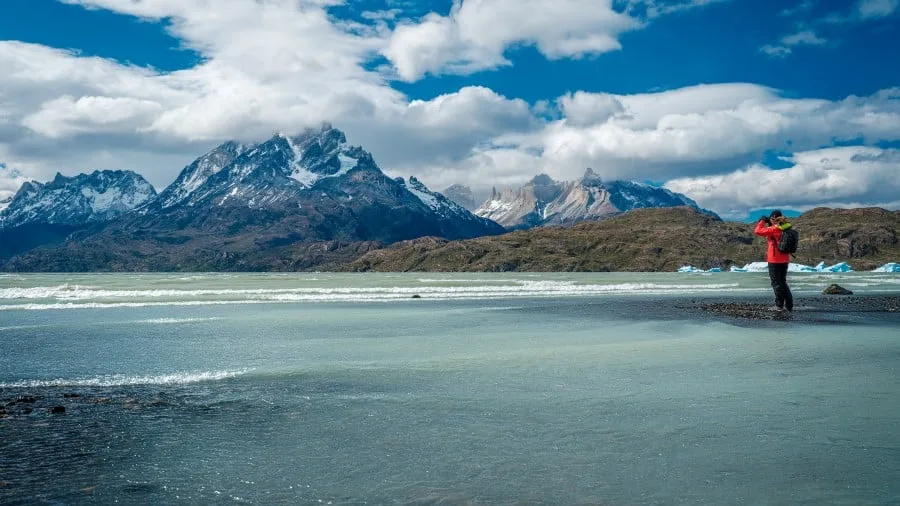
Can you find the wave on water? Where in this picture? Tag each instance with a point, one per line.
(67, 298)
(116, 380)
(176, 320)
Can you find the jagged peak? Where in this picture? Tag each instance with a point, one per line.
(542, 180)
(591, 177)
(325, 132)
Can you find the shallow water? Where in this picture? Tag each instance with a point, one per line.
(558, 390)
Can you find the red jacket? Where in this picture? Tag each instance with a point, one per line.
(772, 234)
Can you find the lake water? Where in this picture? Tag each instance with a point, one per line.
(485, 389)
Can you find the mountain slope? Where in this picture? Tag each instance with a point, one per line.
(543, 201)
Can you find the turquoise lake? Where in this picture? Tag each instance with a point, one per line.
(426, 388)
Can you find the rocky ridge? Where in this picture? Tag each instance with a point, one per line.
(543, 201)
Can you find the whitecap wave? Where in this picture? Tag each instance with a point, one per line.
(115, 380)
(520, 289)
(176, 320)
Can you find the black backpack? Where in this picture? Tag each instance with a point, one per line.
(787, 243)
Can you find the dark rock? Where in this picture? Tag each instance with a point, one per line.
(57, 410)
(26, 399)
(27, 411)
(71, 396)
(416, 296)
(746, 310)
(835, 289)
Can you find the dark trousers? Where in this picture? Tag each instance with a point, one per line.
(778, 276)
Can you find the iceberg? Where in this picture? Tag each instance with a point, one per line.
(839, 267)
(821, 267)
(751, 267)
(691, 268)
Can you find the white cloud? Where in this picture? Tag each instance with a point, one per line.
(692, 132)
(801, 38)
(873, 9)
(800, 8)
(66, 115)
(776, 51)
(651, 9)
(804, 37)
(836, 177)
(476, 34)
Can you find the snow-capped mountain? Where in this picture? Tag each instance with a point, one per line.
(241, 205)
(313, 185)
(445, 207)
(543, 201)
(77, 201)
(195, 174)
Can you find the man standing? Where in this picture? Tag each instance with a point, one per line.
(771, 228)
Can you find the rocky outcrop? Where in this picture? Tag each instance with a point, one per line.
(835, 289)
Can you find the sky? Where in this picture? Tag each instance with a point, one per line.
(739, 104)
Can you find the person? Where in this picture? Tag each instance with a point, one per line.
(771, 227)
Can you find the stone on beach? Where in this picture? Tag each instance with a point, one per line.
(835, 289)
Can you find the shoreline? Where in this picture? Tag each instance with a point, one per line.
(818, 309)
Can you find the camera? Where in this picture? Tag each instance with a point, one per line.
(766, 220)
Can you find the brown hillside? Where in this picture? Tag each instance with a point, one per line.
(648, 240)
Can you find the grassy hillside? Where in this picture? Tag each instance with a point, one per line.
(648, 240)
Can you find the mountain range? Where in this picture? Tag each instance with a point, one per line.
(543, 201)
(292, 202)
(237, 201)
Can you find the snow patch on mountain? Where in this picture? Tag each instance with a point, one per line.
(322, 153)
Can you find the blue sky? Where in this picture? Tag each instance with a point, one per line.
(736, 103)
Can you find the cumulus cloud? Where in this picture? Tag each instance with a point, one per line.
(476, 34)
(851, 176)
